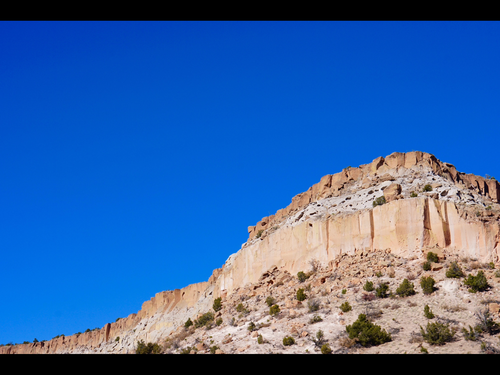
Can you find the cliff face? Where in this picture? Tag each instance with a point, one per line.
(334, 217)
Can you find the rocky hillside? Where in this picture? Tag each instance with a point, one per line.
(375, 223)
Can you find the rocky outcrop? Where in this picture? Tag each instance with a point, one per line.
(333, 218)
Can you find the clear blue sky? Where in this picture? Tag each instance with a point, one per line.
(134, 155)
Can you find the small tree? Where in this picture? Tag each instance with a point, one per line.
(345, 307)
(301, 296)
(427, 284)
(437, 333)
(368, 286)
(274, 310)
(426, 266)
(405, 289)
(217, 304)
(319, 340)
(302, 276)
(432, 257)
(477, 283)
(454, 271)
(382, 290)
(367, 333)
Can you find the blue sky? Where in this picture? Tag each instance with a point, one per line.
(134, 155)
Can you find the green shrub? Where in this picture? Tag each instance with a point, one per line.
(259, 233)
(405, 289)
(477, 283)
(427, 188)
(218, 322)
(367, 333)
(486, 322)
(344, 291)
(319, 340)
(427, 284)
(188, 323)
(491, 265)
(413, 194)
(204, 320)
(270, 301)
(251, 326)
(345, 307)
(428, 312)
(382, 290)
(454, 271)
(325, 349)
(186, 350)
(213, 349)
(288, 340)
(302, 276)
(423, 350)
(260, 339)
(432, 257)
(315, 319)
(369, 286)
(241, 308)
(378, 274)
(117, 338)
(379, 201)
(437, 333)
(426, 266)
(471, 335)
(301, 296)
(149, 348)
(274, 310)
(217, 304)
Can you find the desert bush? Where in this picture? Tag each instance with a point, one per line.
(344, 291)
(274, 310)
(217, 304)
(413, 194)
(301, 296)
(259, 233)
(315, 265)
(186, 350)
(325, 349)
(315, 319)
(260, 339)
(251, 326)
(313, 305)
(149, 348)
(379, 201)
(367, 333)
(218, 322)
(270, 301)
(428, 312)
(213, 349)
(319, 340)
(437, 333)
(454, 271)
(427, 284)
(432, 257)
(383, 290)
(204, 320)
(485, 322)
(302, 276)
(288, 340)
(369, 286)
(378, 274)
(427, 188)
(426, 266)
(345, 307)
(405, 289)
(477, 283)
(471, 334)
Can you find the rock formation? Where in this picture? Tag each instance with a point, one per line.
(456, 214)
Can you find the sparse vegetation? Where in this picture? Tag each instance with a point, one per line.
(405, 289)
(426, 266)
(369, 286)
(149, 348)
(315, 319)
(379, 201)
(486, 323)
(213, 349)
(454, 271)
(188, 323)
(302, 276)
(471, 334)
(313, 305)
(383, 290)
(259, 233)
(477, 283)
(413, 194)
(428, 312)
(345, 307)
(251, 326)
(319, 340)
(432, 257)
(367, 333)
(204, 320)
(218, 322)
(270, 301)
(427, 188)
(260, 339)
(274, 310)
(437, 333)
(288, 340)
(325, 349)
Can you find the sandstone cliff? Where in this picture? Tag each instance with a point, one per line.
(334, 217)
